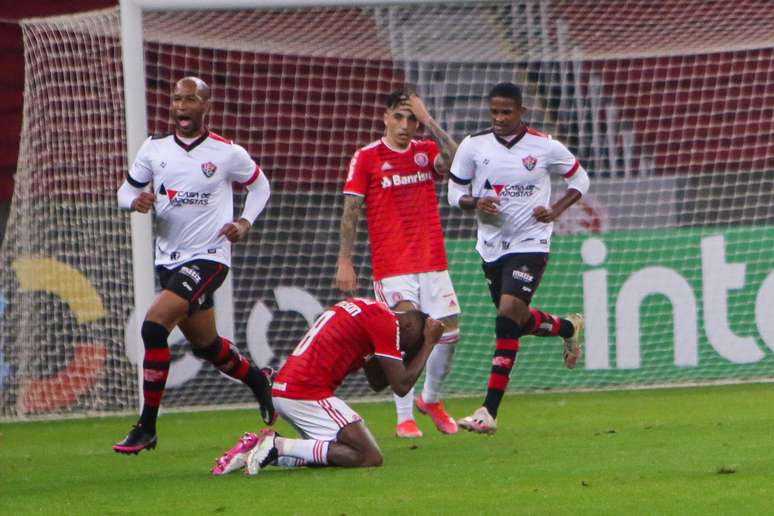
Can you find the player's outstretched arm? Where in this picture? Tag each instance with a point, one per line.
(403, 377)
(346, 277)
(135, 199)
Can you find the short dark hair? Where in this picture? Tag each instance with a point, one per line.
(412, 326)
(506, 90)
(396, 97)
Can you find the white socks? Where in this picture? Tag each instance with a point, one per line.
(404, 406)
(309, 450)
(439, 365)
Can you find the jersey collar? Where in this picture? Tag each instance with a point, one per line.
(393, 149)
(509, 144)
(188, 147)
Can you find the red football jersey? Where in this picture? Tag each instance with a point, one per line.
(404, 225)
(337, 344)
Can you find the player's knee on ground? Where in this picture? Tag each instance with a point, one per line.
(362, 448)
(373, 459)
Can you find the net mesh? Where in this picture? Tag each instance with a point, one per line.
(668, 105)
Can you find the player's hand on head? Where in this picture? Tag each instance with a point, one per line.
(235, 231)
(417, 106)
(144, 202)
(433, 331)
(488, 205)
(543, 214)
(346, 277)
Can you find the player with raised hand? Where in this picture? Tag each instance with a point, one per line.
(391, 348)
(503, 173)
(191, 172)
(395, 176)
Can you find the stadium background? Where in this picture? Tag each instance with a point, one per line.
(707, 170)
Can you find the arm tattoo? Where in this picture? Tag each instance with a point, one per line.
(446, 144)
(348, 228)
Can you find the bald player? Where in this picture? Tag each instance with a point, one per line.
(186, 176)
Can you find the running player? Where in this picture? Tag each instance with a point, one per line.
(191, 172)
(508, 168)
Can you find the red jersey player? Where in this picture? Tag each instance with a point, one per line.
(395, 176)
(352, 334)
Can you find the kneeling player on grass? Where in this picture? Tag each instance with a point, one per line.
(352, 334)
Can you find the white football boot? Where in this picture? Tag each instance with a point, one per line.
(481, 422)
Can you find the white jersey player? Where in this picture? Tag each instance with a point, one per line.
(190, 173)
(504, 174)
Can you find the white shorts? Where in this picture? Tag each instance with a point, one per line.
(431, 292)
(320, 420)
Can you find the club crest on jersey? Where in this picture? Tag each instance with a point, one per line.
(421, 159)
(529, 162)
(209, 168)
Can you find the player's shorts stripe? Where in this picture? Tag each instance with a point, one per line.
(212, 278)
(255, 176)
(338, 413)
(137, 184)
(573, 170)
(334, 414)
(459, 180)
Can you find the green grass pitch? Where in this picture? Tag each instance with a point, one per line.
(705, 451)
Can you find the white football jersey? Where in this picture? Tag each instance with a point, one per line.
(517, 172)
(194, 194)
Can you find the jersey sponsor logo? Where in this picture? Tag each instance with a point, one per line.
(399, 180)
(529, 162)
(421, 159)
(183, 198)
(511, 191)
(280, 386)
(187, 286)
(209, 168)
(524, 276)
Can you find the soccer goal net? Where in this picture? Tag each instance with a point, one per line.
(669, 256)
